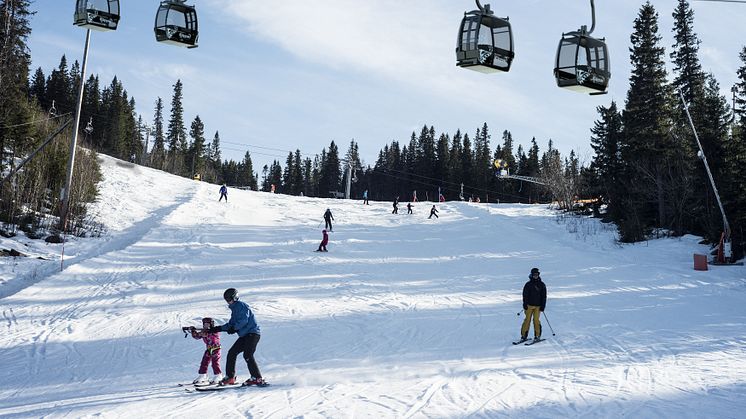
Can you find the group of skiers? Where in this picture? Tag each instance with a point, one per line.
(243, 323)
(433, 210)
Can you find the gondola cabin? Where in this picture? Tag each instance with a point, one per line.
(99, 15)
(176, 24)
(485, 42)
(582, 63)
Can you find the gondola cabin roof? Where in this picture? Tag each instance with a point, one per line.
(99, 15)
(176, 24)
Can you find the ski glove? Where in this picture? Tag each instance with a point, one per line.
(231, 330)
(525, 307)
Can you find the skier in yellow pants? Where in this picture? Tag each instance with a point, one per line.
(534, 301)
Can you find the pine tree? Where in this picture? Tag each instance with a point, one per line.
(247, 177)
(287, 176)
(274, 177)
(467, 160)
(213, 163)
(455, 168)
(308, 180)
(442, 159)
(159, 147)
(59, 91)
(38, 87)
(330, 171)
(352, 159)
(733, 190)
(197, 147)
(647, 144)
(482, 175)
(14, 69)
(504, 152)
(176, 134)
(606, 167)
(689, 76)
(91, 108)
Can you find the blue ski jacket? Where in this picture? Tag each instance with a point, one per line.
(242, 320)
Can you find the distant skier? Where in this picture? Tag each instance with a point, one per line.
(534, 301)
(242, 322)
(396, 206)
(434, 212)
(328, 217)
(365, 198)
(409, 208)
(324, 241)
(223, 193)
(212, 352)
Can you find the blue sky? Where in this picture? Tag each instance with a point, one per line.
(274, 76)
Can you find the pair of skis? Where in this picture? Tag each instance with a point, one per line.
(528, 342)
(216, 387)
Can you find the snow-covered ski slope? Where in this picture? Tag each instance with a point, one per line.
(403, 317)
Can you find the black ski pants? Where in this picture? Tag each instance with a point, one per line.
(247, 345)
(328, 223)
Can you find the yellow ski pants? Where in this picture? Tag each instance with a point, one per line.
(535, 312)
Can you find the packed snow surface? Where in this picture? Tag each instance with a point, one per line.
(404, 317)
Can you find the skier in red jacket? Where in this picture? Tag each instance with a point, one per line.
(324, 241)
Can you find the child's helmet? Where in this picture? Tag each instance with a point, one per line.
(208, 323)
(231, 294)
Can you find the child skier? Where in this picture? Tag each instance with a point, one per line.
(223, 193)
(434, 212)
(242, 322)
(409, 208)
(324, 241)
(211, 355)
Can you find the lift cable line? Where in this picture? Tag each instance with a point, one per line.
(456, 186)
(36, 120)
(38, 149)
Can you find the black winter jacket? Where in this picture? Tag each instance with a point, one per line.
(535, 294)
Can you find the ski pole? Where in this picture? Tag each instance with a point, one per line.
(518, 314)
(550, 325)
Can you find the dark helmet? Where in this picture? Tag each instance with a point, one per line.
(208, 322)
(231, 294)
(534, 270)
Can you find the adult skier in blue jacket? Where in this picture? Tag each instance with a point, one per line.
(242, 322)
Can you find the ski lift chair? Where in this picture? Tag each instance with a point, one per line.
(99, 15)
(176, 24)
(485, 41)
(582, 62)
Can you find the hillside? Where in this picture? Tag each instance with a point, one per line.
(405, 316)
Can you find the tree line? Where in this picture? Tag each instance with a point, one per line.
(647, 166)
